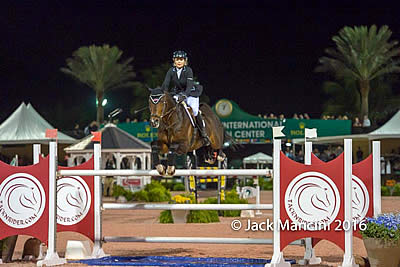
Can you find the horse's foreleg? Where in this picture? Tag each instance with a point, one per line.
(221, 155)
(155, 150)
(171, 159)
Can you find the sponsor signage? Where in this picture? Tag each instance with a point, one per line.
(22, 200)
(246, 128)
(73, 200)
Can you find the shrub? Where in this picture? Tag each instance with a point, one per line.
(265, 184)
(202, 216)
(396, 190)
(232, 198)
(179, 187)
(153, 192)
(121, 191)
(166, 217)
(195, 216)
(385, 227)
(250, 182)
(385, 191)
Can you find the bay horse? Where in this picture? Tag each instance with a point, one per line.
(176, 133)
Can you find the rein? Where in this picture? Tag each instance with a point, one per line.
(167, 114)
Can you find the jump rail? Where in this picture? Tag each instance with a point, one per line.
(206, 240)
(117, 206)
(226, 172)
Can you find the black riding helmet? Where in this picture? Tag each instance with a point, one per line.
(179, 54)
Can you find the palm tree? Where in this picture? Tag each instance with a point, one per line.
(344, 98)
(98, 68)
(364, 54)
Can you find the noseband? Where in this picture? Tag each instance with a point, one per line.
(155, 99)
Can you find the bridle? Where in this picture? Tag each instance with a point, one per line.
(155, 99)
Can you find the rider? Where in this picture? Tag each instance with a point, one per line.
(185, 89)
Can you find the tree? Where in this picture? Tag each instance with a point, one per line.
(363, 54)
(98, 68)
(344, 98)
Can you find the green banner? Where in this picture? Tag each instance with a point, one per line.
(246, 128)
(141, 130)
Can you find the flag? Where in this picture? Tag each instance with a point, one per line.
(277, 131)
(96, 137)
(51, 133)
(310, 133)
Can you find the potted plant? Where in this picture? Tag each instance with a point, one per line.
(180, 216)
(381, 236)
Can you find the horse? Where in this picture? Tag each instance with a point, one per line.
(176, 133)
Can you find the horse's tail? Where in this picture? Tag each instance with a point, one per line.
(232, 142)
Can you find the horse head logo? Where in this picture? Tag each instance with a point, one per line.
(312, 197)
(23, 199)
(73, 200)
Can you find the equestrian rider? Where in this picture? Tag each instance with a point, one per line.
(185, 89)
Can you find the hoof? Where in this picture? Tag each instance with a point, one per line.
(210, 161)
(161, 169)
(171, 170)
(221, 156)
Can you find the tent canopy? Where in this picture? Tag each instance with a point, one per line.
(258, 158)
(391, 129)
(112, 138)
(26, 126)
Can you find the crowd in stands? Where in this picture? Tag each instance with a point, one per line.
(325, 155)
(358, 127)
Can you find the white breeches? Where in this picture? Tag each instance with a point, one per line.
(193, 102)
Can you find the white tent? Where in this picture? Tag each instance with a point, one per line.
(26, 126)
(391, 129)
(258, 158)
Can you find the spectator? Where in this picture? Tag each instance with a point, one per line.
(357, 122)
(300, 157)
(339, 150)
(281, 117)
(272, 116)
(366, 122)
(135, 120)
(301, 117)
(295, 116)
(92, 127)
(345, 117)
(306, 116)
(127, 120)
(359, 154)
(324, 156)
(316, 152)
(77, 132)
(265, 116)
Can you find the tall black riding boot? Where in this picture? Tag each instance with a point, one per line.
(202, 129)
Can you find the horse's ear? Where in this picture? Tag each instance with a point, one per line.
(148, 87)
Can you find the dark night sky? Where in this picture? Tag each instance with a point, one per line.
(261, 57)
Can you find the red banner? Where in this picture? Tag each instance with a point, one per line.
(24, 193)
(75, 202)
(311, 201)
